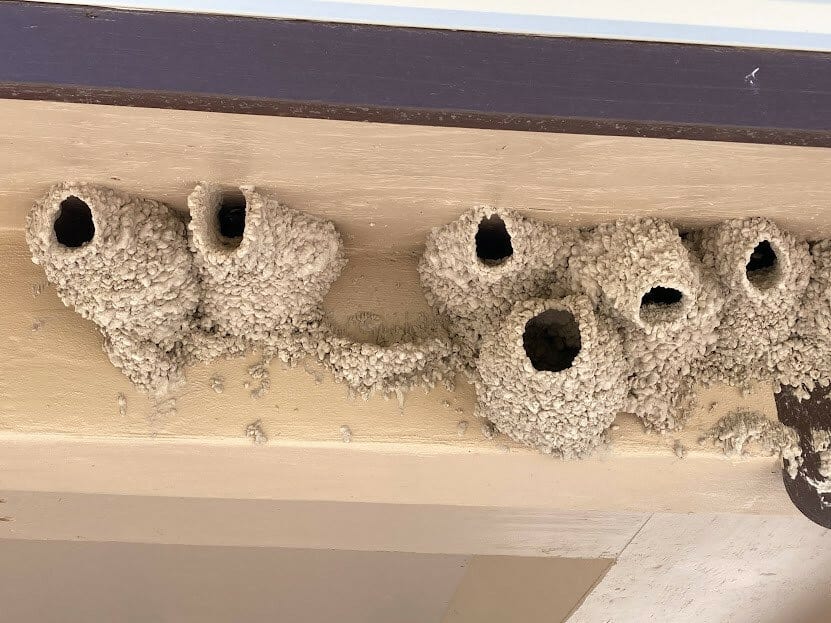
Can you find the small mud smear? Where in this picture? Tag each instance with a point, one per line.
(315, 374)
(365, 325)
(163, 408)
(37, 324)
(217, 384)
(255, 432)
(346, 434)
(739, 430)
(121, 401)
(260, 373)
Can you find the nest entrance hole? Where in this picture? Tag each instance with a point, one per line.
(660, 304)
(493, 242)
(552, 340)
(230, 218)
(763, 266)
(74, 226)
(659, 295)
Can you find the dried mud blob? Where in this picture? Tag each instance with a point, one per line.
(474, 269)
(764, 273)
(264, 268)
(552, 376)
(662, 301)
(806, 364)
(122, 262)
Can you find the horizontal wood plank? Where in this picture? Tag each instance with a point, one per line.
(384, 186)
(426, 529)
(392, 473)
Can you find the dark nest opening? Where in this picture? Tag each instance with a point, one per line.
(762, 266)
(493, 242)
(230, 217)
(660, 305)
(660, 295)
(552, 340)
(74, 226)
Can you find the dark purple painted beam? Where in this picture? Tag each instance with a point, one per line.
(420, 76)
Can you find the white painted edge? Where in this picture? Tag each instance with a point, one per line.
(785, 24)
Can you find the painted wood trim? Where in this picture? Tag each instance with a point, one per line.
(386, 186)
(415, 528)
(390, 473)
(413, 76)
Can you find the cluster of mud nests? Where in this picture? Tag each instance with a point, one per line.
(560, 329)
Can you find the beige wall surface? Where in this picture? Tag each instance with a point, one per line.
(62, 582)
(499, 589)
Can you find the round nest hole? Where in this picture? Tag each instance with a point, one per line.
(74, 226)
(660, 295)
(493, 242)
(230, 218)
(660, 304)
(552, 340)
(763, 266)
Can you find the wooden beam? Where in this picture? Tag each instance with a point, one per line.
(385, 186)
(258, 522)
(61, 582)
(642, 479)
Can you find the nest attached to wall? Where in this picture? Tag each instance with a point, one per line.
(638, 312)
(123, 263)
(552, 376)
(474, 269)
